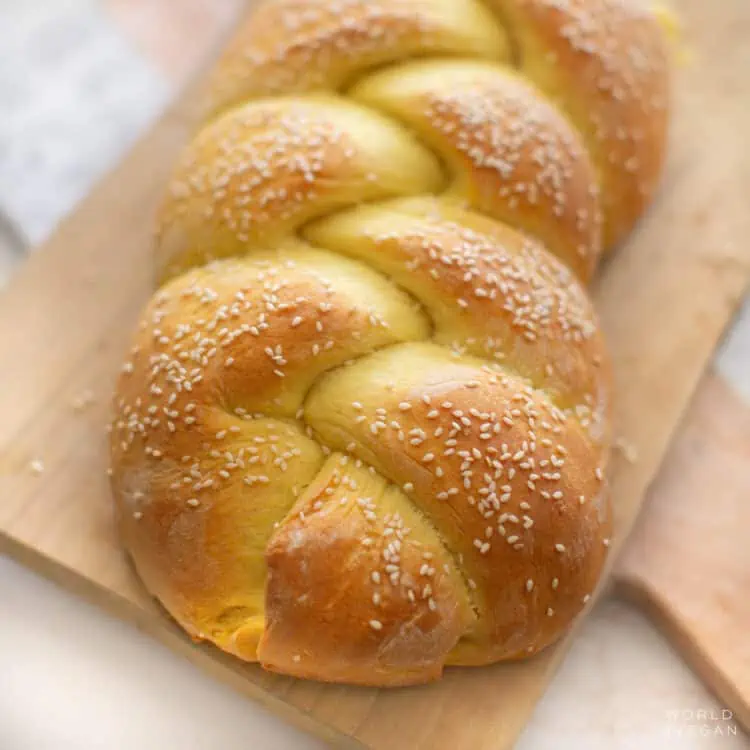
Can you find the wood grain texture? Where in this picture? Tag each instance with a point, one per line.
(664, 300)
(688, 560)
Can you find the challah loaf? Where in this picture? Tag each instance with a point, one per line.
(364, 427)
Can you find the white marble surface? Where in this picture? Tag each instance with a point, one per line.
(73, 94)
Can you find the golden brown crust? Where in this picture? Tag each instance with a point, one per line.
(512, 155)
(363, 431)
(489, 291)
(206, 454)
(250, 178)
(499, 471)
(360, 589)
(605, 63)
(296, 46)
(245, 372)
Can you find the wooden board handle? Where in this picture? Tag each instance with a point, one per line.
(688, 560)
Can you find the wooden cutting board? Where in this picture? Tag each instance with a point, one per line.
(664, 299)
(688, 560)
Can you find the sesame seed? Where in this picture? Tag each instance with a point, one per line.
(376, 624)
(37, 466)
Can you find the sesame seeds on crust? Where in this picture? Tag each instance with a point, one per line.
(457, 365)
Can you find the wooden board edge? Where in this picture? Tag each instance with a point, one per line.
(172, 637)
(638, 593)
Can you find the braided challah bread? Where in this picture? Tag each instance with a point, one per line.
(364, 428)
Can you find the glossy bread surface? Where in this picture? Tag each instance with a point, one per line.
(363, 430)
